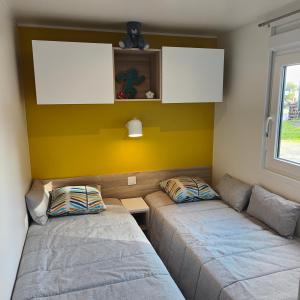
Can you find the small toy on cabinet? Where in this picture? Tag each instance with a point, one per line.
(149, 94)
(129, 79)
(134, 38)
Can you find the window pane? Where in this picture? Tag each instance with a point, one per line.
(289, 132)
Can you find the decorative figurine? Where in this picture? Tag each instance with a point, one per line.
(129, 79)
(149, 94)
(121, 95)
(134, 38)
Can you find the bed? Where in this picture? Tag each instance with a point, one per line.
(214, 252)
(101, 256)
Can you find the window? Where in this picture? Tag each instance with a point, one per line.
(283, 123)
(288, 147)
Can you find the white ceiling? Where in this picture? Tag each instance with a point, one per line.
(178, 16)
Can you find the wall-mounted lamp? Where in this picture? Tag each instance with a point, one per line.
(135, 128)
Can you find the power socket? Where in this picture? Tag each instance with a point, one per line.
(131, 180)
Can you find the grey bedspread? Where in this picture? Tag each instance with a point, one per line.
(214, 252)
(103, 256)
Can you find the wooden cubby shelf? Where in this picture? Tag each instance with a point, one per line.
(147, 63)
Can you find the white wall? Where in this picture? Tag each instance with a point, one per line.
(239, 119)
(14, 159)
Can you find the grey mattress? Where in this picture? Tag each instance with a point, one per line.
(103, 256)
(214, 252)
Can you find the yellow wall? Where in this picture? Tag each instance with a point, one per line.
(75, 140)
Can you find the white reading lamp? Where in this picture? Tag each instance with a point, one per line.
(135, 128)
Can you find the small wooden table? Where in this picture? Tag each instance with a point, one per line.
(139, 210)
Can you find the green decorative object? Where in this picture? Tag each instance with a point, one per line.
(129, 79)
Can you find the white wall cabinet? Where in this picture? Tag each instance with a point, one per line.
(73, 73)
(191, 75)
(83, 73)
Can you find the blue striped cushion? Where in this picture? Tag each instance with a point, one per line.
(75, 200)
(188, 189)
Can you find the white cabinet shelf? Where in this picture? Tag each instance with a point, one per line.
(84, 73)
(192, 75)
(73, 73)
(138, 100)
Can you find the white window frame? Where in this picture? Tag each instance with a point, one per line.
(285, 43)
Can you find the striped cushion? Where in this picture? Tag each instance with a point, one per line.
(188, 189)
(75, 200)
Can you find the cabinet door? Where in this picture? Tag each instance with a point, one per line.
(191, 75)
(73, 73)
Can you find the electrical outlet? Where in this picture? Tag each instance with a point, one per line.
(131, 180)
